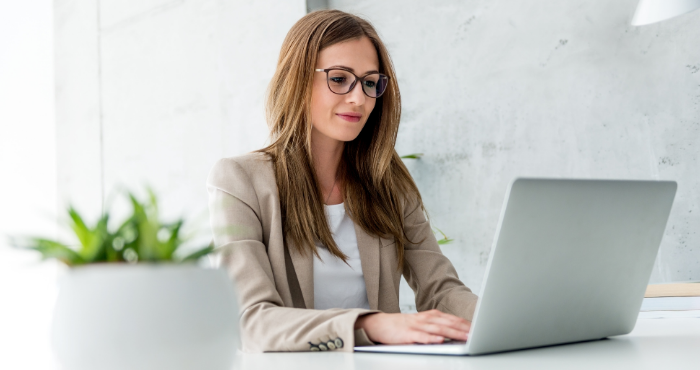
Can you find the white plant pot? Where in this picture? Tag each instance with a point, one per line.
(130, 317)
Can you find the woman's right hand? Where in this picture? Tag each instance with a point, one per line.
(404, 328)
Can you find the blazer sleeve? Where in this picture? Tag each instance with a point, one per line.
(429, 273)
(266, 325)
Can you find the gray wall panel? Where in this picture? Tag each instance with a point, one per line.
(498, 89)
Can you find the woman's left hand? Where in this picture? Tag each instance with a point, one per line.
(430, 326)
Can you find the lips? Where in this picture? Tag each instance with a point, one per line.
(350, 116)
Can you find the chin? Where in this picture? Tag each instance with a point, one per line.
(347, 136)
(346, 133)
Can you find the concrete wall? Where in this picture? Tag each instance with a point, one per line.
(492, 90)
(498, 89)
(154, 92)
(27, 181)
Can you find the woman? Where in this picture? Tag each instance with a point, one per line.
(317, 228)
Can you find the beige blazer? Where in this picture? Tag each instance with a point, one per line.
(275, 285)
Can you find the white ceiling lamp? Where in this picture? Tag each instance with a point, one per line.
(652, 11)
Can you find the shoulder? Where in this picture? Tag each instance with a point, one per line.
(242, 173)
(413, 206)
(249, 163)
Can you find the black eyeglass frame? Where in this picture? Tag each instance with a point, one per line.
(352, 86)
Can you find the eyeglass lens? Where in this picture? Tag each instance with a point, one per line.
(340, 82)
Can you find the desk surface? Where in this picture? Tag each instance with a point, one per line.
(653, 344)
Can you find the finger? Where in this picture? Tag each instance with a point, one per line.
(433, 312)
(462, 325)
(438, 313)
(454, 318)
(444, 331)
(441, 318)
(459, 322)
(447, 320)
(425, 338)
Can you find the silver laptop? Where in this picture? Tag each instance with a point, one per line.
(570, 262)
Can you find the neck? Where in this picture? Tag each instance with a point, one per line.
(327, 154)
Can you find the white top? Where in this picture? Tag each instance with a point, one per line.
(337, 285)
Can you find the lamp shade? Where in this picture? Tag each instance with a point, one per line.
(652, 11)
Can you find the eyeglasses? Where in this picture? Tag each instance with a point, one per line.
(341, 82)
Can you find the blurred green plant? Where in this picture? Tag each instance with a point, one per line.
(142, 237)
(412, 156)
(445, 239)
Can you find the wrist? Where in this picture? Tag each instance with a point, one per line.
(361, 322)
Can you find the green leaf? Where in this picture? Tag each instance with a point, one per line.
(198, 254)
(445, 241)
(174, 241)
(79, 228)
(152, 197)
(127, 224)
(147, 243)
(52, 249)
(93, 248)
(412, 156)
(102, 241)
(111, 254)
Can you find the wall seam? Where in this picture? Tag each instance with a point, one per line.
(99, 108)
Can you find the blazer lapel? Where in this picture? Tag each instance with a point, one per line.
(369, 257)
(304, 268)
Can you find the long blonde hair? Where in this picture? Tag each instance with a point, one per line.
(375, 182)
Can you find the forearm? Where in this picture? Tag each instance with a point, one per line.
(437, 285)
(430, 273)
(269, 328)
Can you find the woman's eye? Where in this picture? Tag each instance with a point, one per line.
(337, 80)
(371, 84)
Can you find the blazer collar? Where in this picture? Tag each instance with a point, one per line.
(369, 257)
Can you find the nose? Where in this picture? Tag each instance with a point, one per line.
(356, 95)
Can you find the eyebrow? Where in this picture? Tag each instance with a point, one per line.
(352, 70)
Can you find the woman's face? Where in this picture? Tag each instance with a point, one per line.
(342, 117)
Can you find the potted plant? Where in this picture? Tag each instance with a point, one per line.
(131, 300)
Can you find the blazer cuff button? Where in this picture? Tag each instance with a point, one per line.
(313, 347)
(331, 345)
(338, 343)
(323, 347)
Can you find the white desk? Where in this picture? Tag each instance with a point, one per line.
(657, 344)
